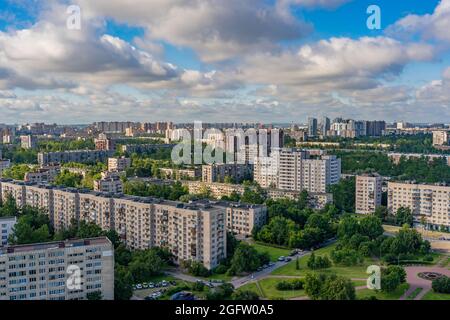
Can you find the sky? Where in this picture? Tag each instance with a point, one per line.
(223, 60)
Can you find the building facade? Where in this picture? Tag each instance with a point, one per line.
(431, 202)
(6, 228)
(66, 270)
(368, 193)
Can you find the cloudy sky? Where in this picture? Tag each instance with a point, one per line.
(223, 60)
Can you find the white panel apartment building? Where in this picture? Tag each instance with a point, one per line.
(6, 228)
(40, 271)
(368, 193)
(429, 201)
(294, 169)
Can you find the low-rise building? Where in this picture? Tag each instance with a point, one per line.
(219, 172)
(181, 174)
(110, 183)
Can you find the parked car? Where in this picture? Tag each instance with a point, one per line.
(182, 296)
(287, 259)
(145, 285)
(271, 264)
(281, 258)
(139, 286)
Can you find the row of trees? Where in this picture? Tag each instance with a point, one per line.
(143, 189)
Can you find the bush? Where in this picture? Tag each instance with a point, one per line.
(296, 284)
(221, 269)
(245, 295)
(441, 285)
(319, 262)
(198, 286)
(428, 258)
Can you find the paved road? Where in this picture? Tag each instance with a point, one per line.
(261, 274)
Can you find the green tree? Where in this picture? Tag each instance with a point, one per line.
(96, 295)
(123, 282)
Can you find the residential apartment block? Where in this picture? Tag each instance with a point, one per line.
(141, 222)
(118, 164)
(28, 142)
(431, 202)
(82, 156)
(6, 228)
(66, 270)
(110, 182)
(297, 170)
(368, 193)
(440, 138)
(218, 172)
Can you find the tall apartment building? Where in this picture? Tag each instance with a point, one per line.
(218, 172)
(326, 125)
(141, 222)
(368, 193)
(103, 142)
(425, 200)
(118, 164)
(192, 231)
(6, 228)
(45, 271)
(440, 138)
(97, 207)
(28, 142)
(312, 127)
(297, 170)
(82, 156)
(248, 145)
(66, 207)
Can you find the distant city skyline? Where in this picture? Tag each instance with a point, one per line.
(224, 61)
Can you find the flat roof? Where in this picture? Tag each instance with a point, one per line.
(55, 245)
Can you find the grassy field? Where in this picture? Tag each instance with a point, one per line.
(269, 290)
(431, 295)
(274, 252)
(414, 294)
(349, 272)
(366, 293)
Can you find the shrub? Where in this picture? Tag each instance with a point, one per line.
(296, 284)
(441, 285)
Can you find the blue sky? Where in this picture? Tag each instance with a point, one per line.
(218, 60)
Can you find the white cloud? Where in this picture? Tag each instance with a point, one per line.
(430, 26)
(216, 29)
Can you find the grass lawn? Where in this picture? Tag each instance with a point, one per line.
(251, 287)
(431, 295)
(414, 294)
(269, 290)
(274, 252)
(349, 272)
(365, 293)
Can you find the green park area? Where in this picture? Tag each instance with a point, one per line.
(431, 295)
(353, 272)
(274, 252)
(266, 289)
(380, 295)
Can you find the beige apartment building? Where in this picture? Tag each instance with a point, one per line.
(243, 218)
(368, 193)
(431, 202)
(65, 270)
(66, 207)
(195, 231)
(97, 207)
(218, 172)
(440, 138)
(118, 164)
